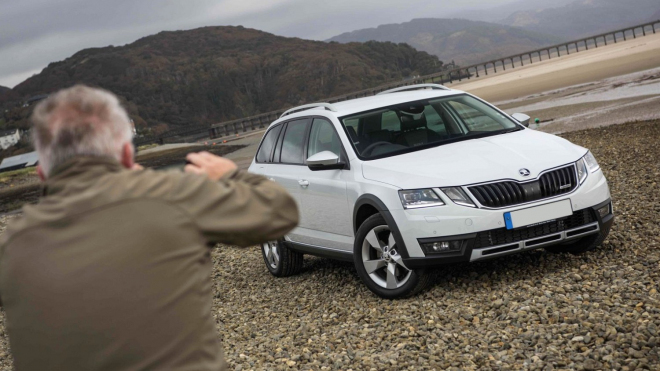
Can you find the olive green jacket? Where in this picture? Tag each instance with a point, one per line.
(112, 269)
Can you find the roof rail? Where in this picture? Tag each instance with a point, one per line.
(327, 106)
(415, 87)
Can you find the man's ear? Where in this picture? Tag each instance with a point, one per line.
(127, 159)
(40, 172)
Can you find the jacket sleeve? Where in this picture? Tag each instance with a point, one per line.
(240, 209)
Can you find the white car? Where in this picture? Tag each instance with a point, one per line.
(421, 176)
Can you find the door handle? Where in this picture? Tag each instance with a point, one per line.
(303, 183)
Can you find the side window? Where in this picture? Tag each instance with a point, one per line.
(294, 142)
(323, 137)
(475, 119)
(434, 121)
(268, 143)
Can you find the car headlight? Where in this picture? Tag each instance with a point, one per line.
(457, 195)
(581, 170)
(591, 162)
(417, 198)
(587, 164)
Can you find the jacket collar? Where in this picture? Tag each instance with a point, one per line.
(79, 170)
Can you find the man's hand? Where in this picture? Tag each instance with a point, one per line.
(137, 166)
(214, 167)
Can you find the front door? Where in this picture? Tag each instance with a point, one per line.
(325, 214)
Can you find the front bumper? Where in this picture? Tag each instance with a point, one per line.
(500, 242)
(485, 234)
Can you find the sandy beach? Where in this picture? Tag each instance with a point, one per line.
(586, 66)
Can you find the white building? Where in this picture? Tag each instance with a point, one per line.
(9, 138)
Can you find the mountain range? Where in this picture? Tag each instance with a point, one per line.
(512, 28)
(212, 74)
(463, 41)
(585, 17)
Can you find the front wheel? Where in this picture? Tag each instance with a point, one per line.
(380, 265)
(280, 260)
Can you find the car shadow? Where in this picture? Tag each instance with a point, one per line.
(526, 266)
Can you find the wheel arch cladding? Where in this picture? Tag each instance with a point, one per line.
(368, 205)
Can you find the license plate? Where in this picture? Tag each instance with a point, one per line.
(537, 214)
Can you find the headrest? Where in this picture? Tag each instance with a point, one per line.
(371, 123)
(409, 123)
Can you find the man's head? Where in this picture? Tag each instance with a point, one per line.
(81, 121)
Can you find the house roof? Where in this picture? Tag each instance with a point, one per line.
(26, 159)
(7, 132)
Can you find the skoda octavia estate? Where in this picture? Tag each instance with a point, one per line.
(421, 176)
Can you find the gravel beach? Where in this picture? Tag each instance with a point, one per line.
(535, 310)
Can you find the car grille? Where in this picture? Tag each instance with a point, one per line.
(503, 236)
(508, 193)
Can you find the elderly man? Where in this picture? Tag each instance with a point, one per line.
(111, 270)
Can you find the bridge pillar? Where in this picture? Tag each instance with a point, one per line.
(624, 36)
(522, 63)
(494, 67)
(643, 30)
(503, 65)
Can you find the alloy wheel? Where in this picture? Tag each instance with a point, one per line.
(381, 259)
(271, 252)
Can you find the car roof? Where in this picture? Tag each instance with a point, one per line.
(358, 105)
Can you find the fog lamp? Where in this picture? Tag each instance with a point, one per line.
(604, 211)
(442, 247)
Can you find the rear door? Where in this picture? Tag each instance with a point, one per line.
(288, 163)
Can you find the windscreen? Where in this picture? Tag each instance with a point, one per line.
(422, 124)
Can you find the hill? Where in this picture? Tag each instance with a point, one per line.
(212, 74)
(497, 13)
(585, 17)
(4, 89)
(466, 42)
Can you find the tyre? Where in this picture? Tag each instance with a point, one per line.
(280, 260)
(582, 245)
(379, 264)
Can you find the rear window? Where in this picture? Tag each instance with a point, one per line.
(268, 143)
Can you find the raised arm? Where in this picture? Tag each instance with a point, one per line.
(233, 206)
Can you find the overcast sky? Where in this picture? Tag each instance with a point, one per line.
(34, 33)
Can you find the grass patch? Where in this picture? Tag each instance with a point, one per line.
(19, 172)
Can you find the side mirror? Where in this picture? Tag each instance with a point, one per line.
(521, 118)
(324, 160)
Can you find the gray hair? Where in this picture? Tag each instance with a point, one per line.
(79, 121)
